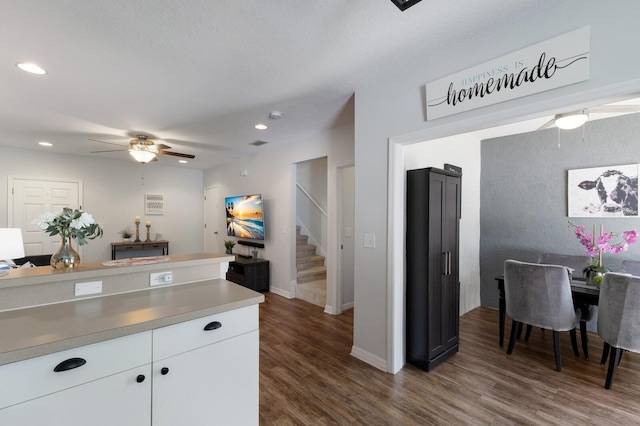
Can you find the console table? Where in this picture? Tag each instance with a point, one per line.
(142, 245)
(249, 272)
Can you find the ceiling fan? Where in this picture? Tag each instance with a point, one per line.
(575, 119)
(143, 149)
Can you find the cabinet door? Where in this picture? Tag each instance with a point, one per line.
(438, 264)
(115, 400)
(450, 294)
(213, 385)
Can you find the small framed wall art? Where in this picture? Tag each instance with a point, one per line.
(154, 204)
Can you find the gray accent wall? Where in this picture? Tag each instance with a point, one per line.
(524, 193)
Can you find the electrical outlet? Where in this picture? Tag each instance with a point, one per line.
(160, 278)
(91, 287)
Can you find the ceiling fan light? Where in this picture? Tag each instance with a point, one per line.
(31, 68)
(571, 120)
(142, 156)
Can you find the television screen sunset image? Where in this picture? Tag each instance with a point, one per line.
(245, 217)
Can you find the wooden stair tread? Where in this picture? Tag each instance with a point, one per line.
(312, 271)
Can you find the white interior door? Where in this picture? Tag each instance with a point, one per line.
(212, 217)
(347, 244)
(32, 197)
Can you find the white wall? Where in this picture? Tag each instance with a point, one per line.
(271, 174)
(393, 109)
(462, 151)
(114, 195)
(312, 177)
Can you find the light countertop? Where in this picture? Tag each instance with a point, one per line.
(40, 330)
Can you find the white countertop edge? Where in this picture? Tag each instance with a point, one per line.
(246, 297)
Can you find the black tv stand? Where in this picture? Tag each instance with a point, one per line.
(249, 272)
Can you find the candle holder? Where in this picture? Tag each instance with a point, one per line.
(137, 240)
(148, 240)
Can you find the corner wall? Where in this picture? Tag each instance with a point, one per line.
(270, 173)
(462, 151)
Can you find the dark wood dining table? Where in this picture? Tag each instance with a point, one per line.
(583, 295)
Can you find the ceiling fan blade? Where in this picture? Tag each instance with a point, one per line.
(604, 109)
(110, 150)
(206, 146)
(547, 124)
(162, 146)
(175, 154)
(110, 143)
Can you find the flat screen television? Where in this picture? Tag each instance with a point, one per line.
(245, 216)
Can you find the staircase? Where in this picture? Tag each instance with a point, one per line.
(311, 272)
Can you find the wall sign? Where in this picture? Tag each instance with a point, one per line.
(554, 63)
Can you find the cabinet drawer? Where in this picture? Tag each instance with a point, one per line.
(36, 377)
(179, 338)
(235, 277)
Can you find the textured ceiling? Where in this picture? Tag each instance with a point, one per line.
(200, 73)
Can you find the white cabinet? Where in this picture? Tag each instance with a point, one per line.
(198, 372)
(213, 385)
(114, 400)
(207, 377)
(105, 383)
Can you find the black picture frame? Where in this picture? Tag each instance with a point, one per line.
(404, 4)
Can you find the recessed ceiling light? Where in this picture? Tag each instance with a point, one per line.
(183, 161)
(43, 143)
(260, 126)
(275, 115)
(32, 68)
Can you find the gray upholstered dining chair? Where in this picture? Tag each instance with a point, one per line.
(631, 267)
(619, 317)
(578, 263)
(540, 295)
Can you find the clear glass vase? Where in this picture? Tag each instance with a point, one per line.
(65, 257)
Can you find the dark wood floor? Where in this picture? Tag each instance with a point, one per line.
(307, 377)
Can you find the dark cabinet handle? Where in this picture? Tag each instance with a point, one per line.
(444, 263)
(164, 371)
(140, 378)
(213, 325)
(69, 364)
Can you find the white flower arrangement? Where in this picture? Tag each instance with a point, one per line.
(69, 223)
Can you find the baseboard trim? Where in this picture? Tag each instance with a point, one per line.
(369, 358)
(280, 292)
(347, 306)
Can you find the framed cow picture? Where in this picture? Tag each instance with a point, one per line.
(603, 191)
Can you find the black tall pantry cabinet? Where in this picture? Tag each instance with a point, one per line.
(433, 285)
